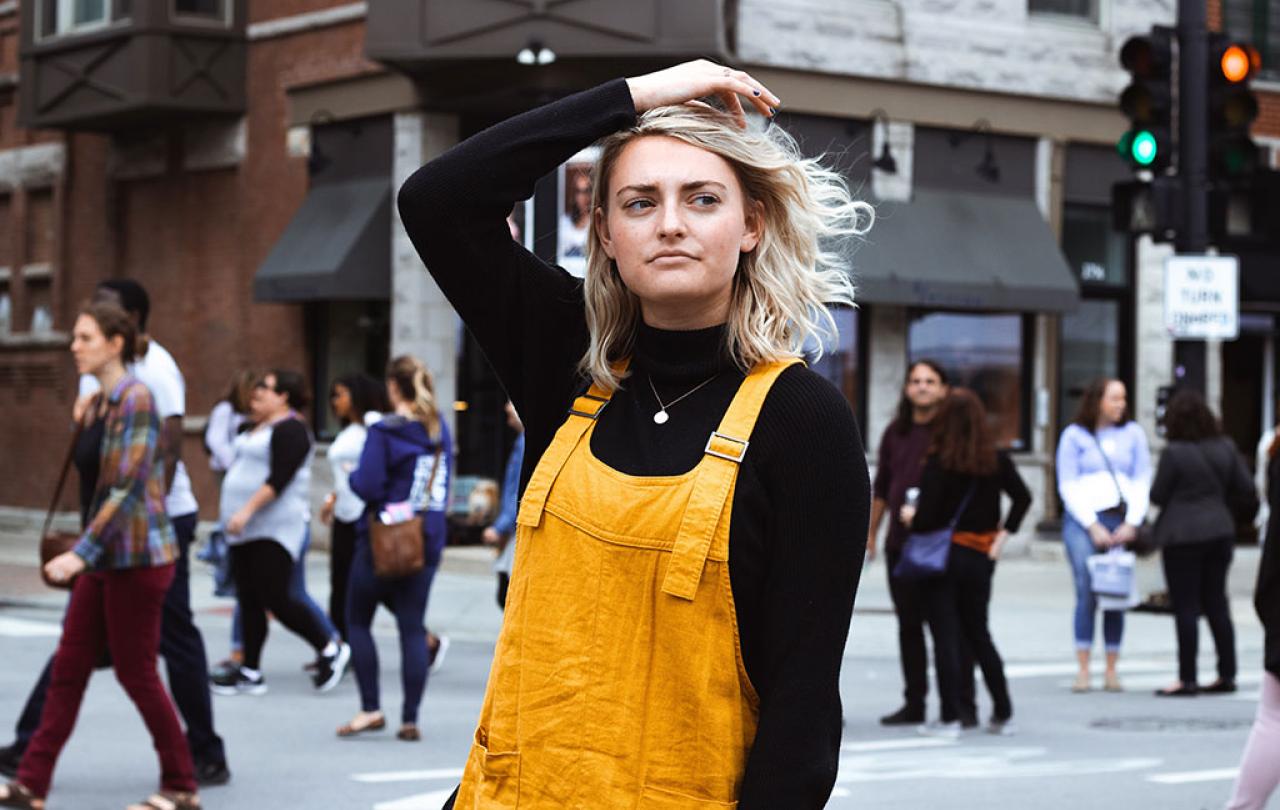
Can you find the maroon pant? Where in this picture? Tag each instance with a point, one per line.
(119, 610)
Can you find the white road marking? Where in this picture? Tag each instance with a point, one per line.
(1042, 670)
(970, 763)
(24, 628)
(408, 776)
(1187, 777)
(422, 801)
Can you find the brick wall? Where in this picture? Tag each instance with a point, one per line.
(195, 239)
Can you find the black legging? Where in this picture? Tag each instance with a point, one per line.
(342, 545)
(957, 605)
(1197, 577)
(262, 569)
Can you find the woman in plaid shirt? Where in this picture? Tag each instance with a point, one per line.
(122, 568)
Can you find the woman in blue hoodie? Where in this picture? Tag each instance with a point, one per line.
(407, 457)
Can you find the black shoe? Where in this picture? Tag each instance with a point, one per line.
(1181, 691)
(330, 668)
(10, 757)
(906, 716)
(237, 682)
(1219, 688)
(968, 722)
(212, 772)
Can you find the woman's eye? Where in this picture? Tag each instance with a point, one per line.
(705, 200)
(636, 205)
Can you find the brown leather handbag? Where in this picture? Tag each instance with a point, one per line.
(54, 543)
(398, 548)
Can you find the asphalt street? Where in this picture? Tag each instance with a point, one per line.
(1069, 751)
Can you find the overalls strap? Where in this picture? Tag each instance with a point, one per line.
(585, 410)
(725, 449)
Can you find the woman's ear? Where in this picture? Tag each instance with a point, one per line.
(754, 221)
(601, 223)
(117, 343)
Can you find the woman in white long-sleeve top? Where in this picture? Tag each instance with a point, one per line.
(1104, 478)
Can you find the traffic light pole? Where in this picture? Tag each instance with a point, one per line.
(1190, 358)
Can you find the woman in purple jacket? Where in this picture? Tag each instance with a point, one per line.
(407, 457)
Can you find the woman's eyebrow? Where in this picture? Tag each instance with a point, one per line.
(650, 188)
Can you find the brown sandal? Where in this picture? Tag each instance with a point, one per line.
(20, 797)
(169, 800)
(353, 728)
(409, 733)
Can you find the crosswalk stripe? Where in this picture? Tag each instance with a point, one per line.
(896, 745)
(24, 628)
(422, 801)
(1186, 777)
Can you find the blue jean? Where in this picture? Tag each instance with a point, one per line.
(298, 590)
(1079, 548)
(406, 597)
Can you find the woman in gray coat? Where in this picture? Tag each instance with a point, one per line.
(1203, 489)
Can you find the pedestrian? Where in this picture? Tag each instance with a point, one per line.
(120, 572)
(181, 644)
(406, 460)
(1104, 478)
(265, 510)
(501, 534)
(899, 465)
(1260, 763)
(963, 479)
(227, 417)
(1200, 485)
(357, 400)
(674, 628)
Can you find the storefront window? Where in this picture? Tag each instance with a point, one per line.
(982, 352)
(1093, 337)
(840, 358)
(62, 17)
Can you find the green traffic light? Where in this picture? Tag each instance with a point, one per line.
(1144, 148)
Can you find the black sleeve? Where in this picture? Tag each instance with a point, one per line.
(527, 316)
(289, 447)
(938, 500)
(815, 471)
(1012, 483)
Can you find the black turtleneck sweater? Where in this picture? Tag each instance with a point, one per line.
(799, 521)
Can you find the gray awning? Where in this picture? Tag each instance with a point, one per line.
(958, 250)
(337, 247)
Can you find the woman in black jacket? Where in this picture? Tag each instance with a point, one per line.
(963, 478)
(1260, 765)
(1199, 479)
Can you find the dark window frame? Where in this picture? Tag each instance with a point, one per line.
(1092, 16)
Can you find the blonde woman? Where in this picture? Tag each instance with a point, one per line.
(406, 459)
(695, 500)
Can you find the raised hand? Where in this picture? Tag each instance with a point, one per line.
(699, 79)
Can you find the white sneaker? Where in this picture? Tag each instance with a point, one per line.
(437, 659)
(329, 668)
(946, 731)
(1002, 728)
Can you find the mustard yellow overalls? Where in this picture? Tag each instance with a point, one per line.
(618, 680)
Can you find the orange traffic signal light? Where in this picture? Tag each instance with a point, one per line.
(1239, 62)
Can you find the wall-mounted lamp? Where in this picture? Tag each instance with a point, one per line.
(535, 53)
(885, 162)
(987, 168)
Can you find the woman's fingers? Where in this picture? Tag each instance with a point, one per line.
(693, 80)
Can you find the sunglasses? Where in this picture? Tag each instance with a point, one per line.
(262, 384)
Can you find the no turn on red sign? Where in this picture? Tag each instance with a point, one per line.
(1202, 297)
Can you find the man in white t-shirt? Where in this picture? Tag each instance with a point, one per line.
(181, 644)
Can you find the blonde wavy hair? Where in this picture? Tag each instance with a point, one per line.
(415, 385)
(782, 288)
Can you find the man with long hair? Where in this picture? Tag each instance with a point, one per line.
(903, 448)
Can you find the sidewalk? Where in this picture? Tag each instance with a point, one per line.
(1030, 612)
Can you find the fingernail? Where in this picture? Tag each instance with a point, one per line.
(773, 111)
(757, 92)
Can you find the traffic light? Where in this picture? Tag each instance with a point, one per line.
(1148, 206)
(1148, 100)
(1232, 108)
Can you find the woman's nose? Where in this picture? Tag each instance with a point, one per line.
(671, 221)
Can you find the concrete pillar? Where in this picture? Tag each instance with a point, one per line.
(422, 321)
(886, 368)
